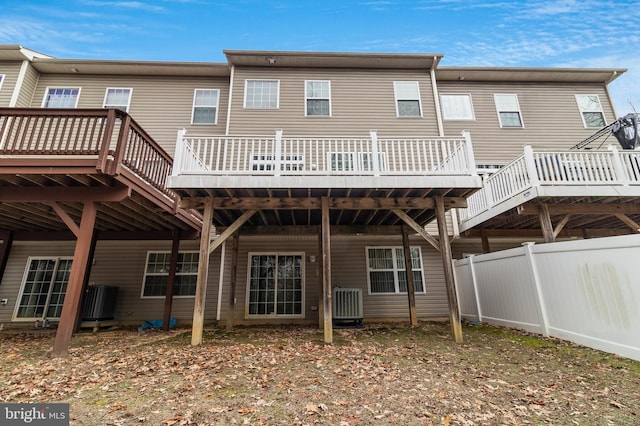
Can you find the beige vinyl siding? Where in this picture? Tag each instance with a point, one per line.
(17, 262)
(10, 70)
(117, 263)
(361, 100)
(549, 112)
(349, 269)
(161, 105)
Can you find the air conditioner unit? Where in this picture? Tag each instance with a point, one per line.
(99, 303)
(347, 306)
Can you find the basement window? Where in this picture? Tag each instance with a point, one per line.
(157, 273)
(386, 271)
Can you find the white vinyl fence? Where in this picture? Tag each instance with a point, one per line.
(584, 291)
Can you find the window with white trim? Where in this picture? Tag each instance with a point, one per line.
(156, 274)
(288, 162)
(508, 110)
(457, 107)
(407, 95)
(591, 111)
(386, 270)
(205, 106)
(118, 98)
(276, 285)
(317, 94)
(261, 94)
(43, 288)
(61, 97)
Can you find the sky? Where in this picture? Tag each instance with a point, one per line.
(528, 33)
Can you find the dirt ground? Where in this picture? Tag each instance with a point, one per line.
(375, 375)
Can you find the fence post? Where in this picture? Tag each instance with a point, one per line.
(178, 156)
(530, 163)
(474, 281)
(618, 166)
(278, 153)
(528, 249)
(468, 148)
(375, 161)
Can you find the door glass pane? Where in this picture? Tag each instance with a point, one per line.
(44, 288)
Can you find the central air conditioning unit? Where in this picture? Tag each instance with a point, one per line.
(347, 306)
(99, 303)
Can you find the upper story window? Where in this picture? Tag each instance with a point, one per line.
(117, 97)
(591, 111)
(317, 94)
(205, 106)
(61, 97)
(457, 107)
(261, 94)
(156, 274)
(407, 98)
(387, 272)
(508, 110)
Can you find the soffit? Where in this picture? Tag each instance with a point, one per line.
(561, 75)
(74, 66)
(332, 59)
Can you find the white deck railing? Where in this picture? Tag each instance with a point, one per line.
(297, 156)
(552, 168)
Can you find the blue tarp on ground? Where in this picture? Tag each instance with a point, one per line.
(156, 324)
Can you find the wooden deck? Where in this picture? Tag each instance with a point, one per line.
(53, 160)
(583, 193)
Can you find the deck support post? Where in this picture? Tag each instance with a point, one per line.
(171, 280)
(233, 279)
(545, 223)
(203, 273)
(326, 272)
(71, 305)
(411, 288)
(449, 276)
(486, 248)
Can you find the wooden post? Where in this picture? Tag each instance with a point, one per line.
(203, 273)
(411, 288)
(233, 279)
(486, 248)
(545, 223)
(85, 280)
(449, 276)
(171, 280)
(73, 295)
(326, 272)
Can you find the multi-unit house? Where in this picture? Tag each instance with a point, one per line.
(280, 187)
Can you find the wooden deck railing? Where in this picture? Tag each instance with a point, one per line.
(109, 135)
(591, 168)
(305, 156)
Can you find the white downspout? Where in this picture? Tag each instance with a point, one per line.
(436, 99)
(233, 69)
(19, 82)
